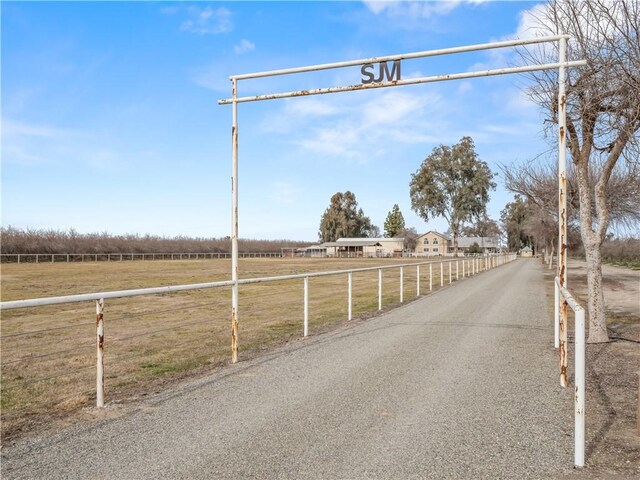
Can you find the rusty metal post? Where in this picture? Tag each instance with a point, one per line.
(563, 343)
(234, 222)
(580, 388)
(417, 280)
(100, 353)
(562, 204)
(401, 284)
(350, 277)
(379, 289)
(306, 307)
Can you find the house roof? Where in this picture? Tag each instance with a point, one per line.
(442, 235)
(314, 247)
(353, 242)
(377, 239)
(486, 242)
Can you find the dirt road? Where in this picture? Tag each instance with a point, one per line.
(460, 384)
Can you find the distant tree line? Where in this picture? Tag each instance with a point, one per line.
(25, 241)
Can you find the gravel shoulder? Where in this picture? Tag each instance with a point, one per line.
(613, 370)
(458, 384)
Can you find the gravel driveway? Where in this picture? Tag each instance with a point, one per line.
(459, 384)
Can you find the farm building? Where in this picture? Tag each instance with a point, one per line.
(365, 247)
(315, 251)
(433, 243)
(526, 252)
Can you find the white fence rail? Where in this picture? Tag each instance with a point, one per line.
(468, 267)
(563, 300)
(122, 257)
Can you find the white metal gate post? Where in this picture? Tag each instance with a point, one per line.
(441, 274)
(562, 204)
(417, 280)
(100, 353)
(234, 222)
(401, 284)
(393, 80)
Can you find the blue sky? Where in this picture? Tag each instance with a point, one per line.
(110, 119)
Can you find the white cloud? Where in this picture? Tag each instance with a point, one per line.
(359, 128)
(416, 9)
(244, 46)
(207, 20)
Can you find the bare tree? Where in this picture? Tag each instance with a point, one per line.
(603, 113)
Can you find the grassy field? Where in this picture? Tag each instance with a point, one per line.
(48, 353)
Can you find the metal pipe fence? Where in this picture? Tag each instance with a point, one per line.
(563, 300)
(123, 257)
(67, 339)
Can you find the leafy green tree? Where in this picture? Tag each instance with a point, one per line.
(394, 224)
(452, 183)
(343, 218)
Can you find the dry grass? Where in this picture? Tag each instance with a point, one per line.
(48, 353)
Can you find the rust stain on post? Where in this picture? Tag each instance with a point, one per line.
(234, 337)
(563, 344)
(100, 353)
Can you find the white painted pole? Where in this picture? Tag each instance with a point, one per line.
(417, 280)
(463, 262)
(100, 353)
(457, 272)
(234, 223)
(562, 208)
(350, 294)
(580, 388)
(401, 284)
(306, 307)
(441, 274)
(449, 273)
(379, 289)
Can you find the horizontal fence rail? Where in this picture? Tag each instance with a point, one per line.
(563, 300)
(359, 289)
(122, 257)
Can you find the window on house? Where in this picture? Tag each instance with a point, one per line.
(426, 241)
(435, 249)
(435, 241)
